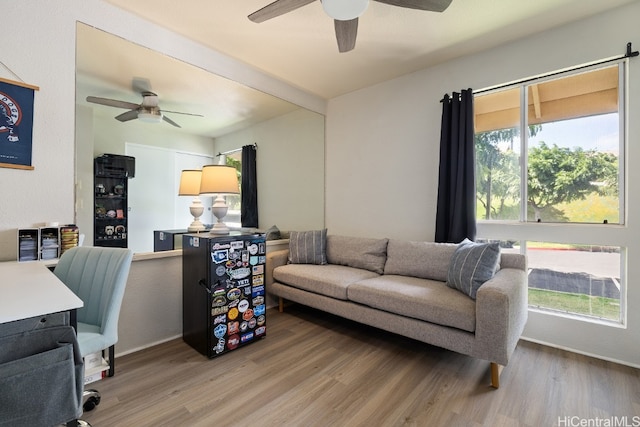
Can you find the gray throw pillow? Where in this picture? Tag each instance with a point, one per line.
(427, 260)
(358, 252)
(308, 247)
(273, 233)
(472, 264)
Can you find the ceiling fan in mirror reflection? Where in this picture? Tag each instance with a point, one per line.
(147, 111)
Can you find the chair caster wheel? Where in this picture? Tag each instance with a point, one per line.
(91, 403)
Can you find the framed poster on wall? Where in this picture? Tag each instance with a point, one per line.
(16, 124)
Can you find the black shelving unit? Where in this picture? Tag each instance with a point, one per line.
(111, 175)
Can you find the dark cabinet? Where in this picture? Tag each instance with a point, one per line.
(167, 240)
(223, 293)
(111, 175)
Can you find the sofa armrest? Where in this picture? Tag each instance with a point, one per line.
(275, 259)
(501, 313)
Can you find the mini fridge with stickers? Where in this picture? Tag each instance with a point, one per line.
(223, 291)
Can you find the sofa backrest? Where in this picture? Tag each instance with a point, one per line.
(427, 260)
(509, 260)
(358, 252)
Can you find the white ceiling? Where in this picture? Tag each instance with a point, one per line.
(300, 49)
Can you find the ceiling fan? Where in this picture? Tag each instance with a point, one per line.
(148, 110)
(345, 14)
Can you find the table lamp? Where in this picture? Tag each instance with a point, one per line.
(218, 180)
(190, 186)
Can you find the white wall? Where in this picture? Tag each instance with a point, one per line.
(151, 310)
(29, 198)
(383, 147)
(290, 168)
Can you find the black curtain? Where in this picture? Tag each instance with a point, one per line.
(456, 210)
(249, 206)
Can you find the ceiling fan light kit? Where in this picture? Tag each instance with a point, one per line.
(150, 117)
(345, 10)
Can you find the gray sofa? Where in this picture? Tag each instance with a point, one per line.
(400, 286)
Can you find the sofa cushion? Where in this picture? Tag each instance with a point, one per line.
(358, 252)
(472, 264)
(426, 260)
(423, 299)
(330, 280)
(308, 247)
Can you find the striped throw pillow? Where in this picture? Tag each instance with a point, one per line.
(308, 247)
(472, 264)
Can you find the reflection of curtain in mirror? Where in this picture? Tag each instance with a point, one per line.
(249, 205)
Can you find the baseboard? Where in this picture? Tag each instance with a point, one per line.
(133, 350)
(584, 353)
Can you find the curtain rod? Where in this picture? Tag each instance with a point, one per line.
(255, 147)
(628, 54)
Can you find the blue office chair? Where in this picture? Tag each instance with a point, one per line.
(98, 277)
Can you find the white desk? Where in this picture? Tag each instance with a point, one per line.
(30, 289)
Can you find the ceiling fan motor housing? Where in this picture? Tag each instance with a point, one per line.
(149, 99)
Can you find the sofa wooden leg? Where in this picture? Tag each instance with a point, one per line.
(281, 304)
(495, 374)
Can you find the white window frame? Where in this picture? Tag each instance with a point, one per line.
(570, 233)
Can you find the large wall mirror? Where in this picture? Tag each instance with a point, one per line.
(223, 115)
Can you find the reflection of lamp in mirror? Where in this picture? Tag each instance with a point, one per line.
(190, 186)
(218, 180)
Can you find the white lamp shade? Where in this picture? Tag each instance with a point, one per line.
(190, 183)
(219, 179)
(344, 10)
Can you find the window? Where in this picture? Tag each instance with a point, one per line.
(551, 152)
(233, 217)
(573, 150)
(580, 279)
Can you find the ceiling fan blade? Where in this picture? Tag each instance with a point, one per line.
(140, 84)
(179, 112)
(346, 32)
(277, 8)
(128, 115)
(168, 120)
(112, 102)
(431, 5)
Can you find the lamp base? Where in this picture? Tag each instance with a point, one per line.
(219, 228)
(196, 210)
(196, 226)
(219, 210)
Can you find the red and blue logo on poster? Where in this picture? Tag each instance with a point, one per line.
(16, 123)
(10, 119)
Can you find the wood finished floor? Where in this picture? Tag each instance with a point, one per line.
(314, 369)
